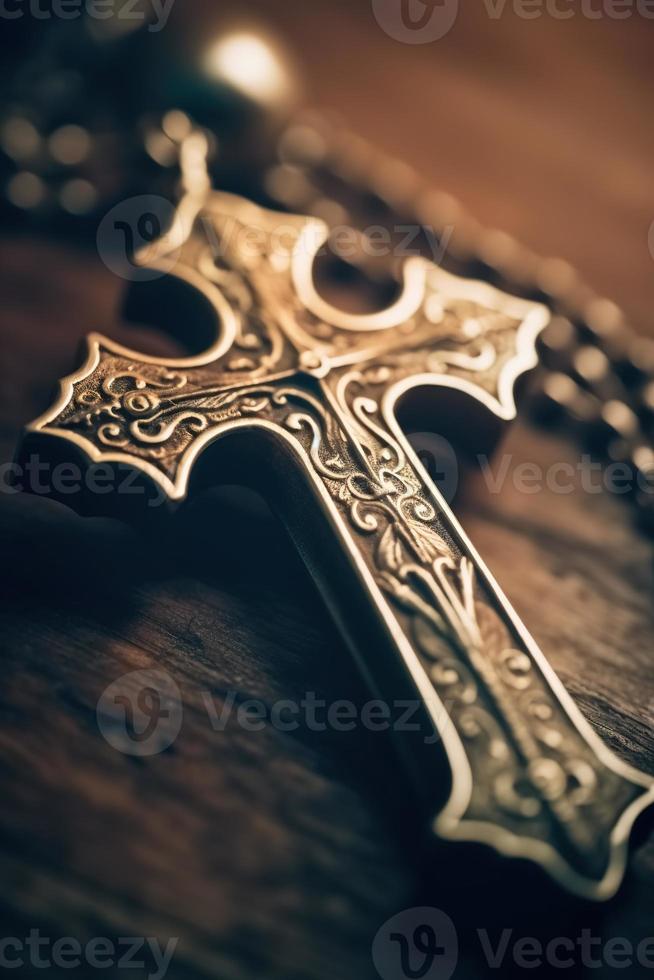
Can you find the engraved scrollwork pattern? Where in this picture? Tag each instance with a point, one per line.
(533, 768)
(533, 771)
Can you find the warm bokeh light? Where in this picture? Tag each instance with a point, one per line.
(250, 63)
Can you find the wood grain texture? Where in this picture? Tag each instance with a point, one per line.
(275, 855)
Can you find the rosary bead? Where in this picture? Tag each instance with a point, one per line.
(556, 277)
(558, 397)
(395, 182)
(19, 138)
(304, 144)
(637, 364)
(557, 344)
(603, 319)
(353, 160)
(615, 427)
(438, 210)
(290, 186)
(619, 418)
(26, 191)
(591, 365)
(643, 460)
(499, 250)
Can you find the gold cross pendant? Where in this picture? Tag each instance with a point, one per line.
(298, 399)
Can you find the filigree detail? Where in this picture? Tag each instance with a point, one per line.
(321, 380)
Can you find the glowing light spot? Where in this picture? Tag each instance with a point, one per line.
(250, 64)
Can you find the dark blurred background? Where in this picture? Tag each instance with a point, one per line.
(277, 858)
(540, 125)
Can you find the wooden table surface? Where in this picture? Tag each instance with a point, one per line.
(273, 855)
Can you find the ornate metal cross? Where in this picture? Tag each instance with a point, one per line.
(301, 396)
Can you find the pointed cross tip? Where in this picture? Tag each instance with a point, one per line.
(600, 887)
